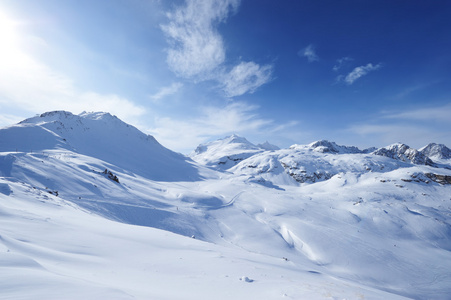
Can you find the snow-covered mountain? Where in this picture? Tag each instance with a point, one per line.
(404, 153)
(325, 146)
(239, 221)
(436, 151)
(322, 160)
(227, 152)
(268, 146)
(98, 135)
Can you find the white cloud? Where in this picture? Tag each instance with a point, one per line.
(359, 72)
(245, 78)
(283, 127)
(196, 46)
(341, 62)
(432, 114)
(234, 117)
(310, 53)
(197, 49)
(413, 89)
(166, 91)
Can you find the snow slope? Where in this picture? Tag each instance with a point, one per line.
(292, 223)
(102, 136)
(50, 249)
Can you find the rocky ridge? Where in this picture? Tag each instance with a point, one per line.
(317, 161)
(404, 153)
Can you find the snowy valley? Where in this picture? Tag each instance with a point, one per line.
(92, 208)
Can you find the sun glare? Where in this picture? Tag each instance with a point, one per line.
(10, 52)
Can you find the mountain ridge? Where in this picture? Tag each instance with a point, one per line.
(99, 135)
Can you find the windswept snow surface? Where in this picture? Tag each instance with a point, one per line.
(51, 249)
(292, 223)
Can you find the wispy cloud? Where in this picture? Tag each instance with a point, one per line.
(167, 91)
(415, 127)
(245, 78)
(196, 49)
(407, 92)
(283, 127)
(432, 114)
(309, 53)
(358, 72)
(414, 135)
(341, 62)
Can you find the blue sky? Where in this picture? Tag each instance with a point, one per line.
(363, 73)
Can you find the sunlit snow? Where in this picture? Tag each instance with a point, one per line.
(92, 208)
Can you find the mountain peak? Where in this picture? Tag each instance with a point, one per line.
(325, 146)
(226, 152)
(64, 115)
(403, 152)
(229, 142)
(236, 139)
(97, 115)
(434, 150)
(50, 116)
(268, 146)
(99, 135)
(56, 113)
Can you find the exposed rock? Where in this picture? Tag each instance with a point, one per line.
(325, 146)
(55, 193)
(234, 159)
(111, 175)
(369, 150)
(427, 178)
(442, 179)
(404, 153)
(301, 175)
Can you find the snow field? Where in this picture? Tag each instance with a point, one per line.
(319, 221)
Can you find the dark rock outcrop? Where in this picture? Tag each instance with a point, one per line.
(325, 146)
(404, 153)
